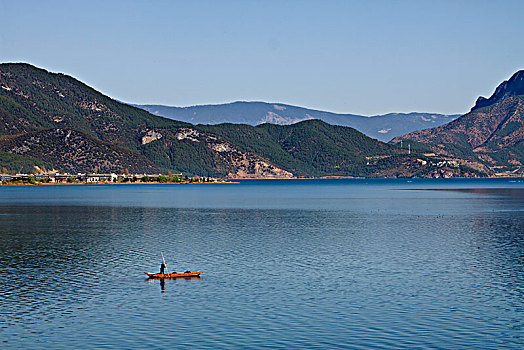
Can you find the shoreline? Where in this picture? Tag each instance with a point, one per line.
(368, 178)
(237, 181)
(116, 183)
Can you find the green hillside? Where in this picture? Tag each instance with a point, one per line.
(309, 148)
(33, 100)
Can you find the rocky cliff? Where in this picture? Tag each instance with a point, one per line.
(491, 135)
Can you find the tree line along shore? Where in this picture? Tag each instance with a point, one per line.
(36, 179)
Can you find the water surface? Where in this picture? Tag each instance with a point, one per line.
(287, 264)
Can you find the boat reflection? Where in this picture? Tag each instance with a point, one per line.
(163, 281)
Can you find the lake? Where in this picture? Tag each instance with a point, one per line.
(289, 264)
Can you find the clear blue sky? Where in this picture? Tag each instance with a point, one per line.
(365, 57)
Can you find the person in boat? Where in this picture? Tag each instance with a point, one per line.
(162, 267)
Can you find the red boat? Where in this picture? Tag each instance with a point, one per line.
(167, 274)
(174, 274)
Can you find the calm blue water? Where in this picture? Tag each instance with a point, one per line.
(313, 264)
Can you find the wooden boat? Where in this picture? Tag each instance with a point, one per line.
(167, 274)
(174, 274)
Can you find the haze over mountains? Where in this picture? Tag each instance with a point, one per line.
(381, 127)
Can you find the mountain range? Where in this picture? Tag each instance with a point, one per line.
(53, 121)
(381, 127)
(62, 123)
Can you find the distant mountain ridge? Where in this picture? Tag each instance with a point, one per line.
(381, 127)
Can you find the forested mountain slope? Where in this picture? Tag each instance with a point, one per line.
(39, 109)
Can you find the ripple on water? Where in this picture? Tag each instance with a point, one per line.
(323, 267)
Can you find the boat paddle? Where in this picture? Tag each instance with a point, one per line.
(164, 261)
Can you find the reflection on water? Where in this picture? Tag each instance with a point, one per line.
(162, 281)
(289, 264)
